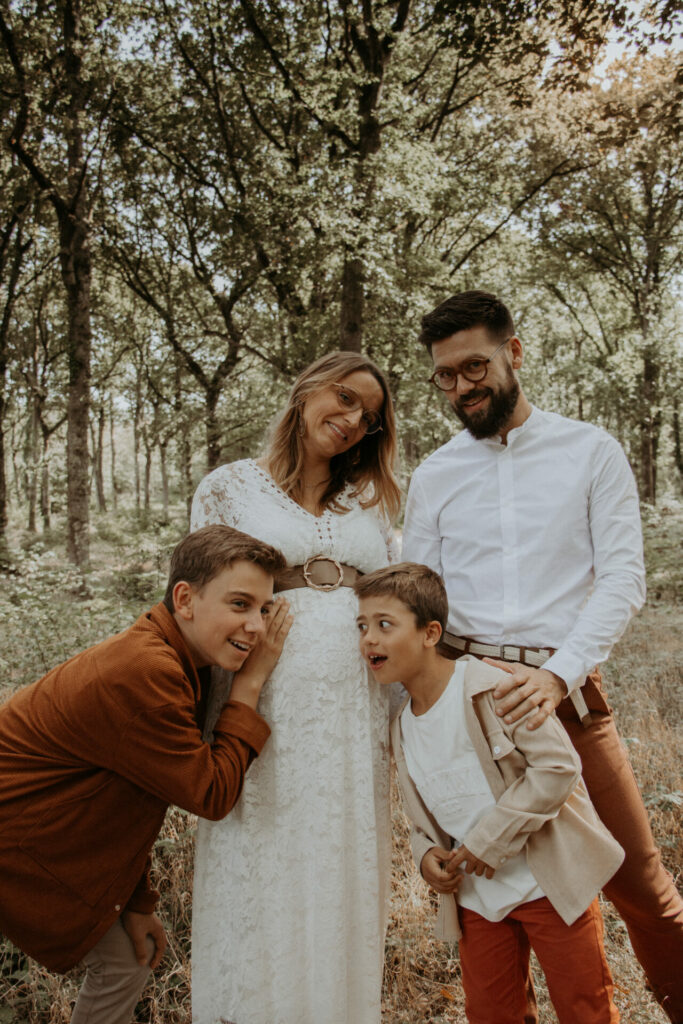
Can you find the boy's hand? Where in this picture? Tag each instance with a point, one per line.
(248, 682)
(474, 865)
(438, 871)
(147, 934)
(527, 688)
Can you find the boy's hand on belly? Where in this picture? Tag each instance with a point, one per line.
(438, 870)
(249, 681)
(470, 864)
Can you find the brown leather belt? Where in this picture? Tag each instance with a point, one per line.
(318, 572)
(452, 646)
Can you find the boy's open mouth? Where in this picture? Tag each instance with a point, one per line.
(240, 646)
(376, 660)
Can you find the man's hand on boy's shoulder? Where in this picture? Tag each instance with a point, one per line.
(527, 688)
(248, 682)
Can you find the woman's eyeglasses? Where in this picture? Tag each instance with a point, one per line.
(350, 401)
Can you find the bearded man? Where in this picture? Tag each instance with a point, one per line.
(533, 521)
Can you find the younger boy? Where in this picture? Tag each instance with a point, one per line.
(501, 803)
(92, 754)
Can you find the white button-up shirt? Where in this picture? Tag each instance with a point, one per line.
(538, 540)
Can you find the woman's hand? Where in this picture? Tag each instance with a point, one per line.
(248, 682)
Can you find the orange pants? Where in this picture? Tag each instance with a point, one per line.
(494, 959)
(642, 890)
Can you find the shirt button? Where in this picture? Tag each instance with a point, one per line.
(503, 859)
(117, 908)
(496, 750)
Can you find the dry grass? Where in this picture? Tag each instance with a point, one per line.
(422, 978)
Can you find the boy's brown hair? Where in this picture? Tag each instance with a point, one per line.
(417, 586)
(203, 554)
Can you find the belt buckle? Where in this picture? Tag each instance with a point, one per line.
(511, 653)
(322, 586)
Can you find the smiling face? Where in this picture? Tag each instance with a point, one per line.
(223, 620)
(330, 428)
(391, 642)
(491, 406)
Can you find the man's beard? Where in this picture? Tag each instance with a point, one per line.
(490, 421)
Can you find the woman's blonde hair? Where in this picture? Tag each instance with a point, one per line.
(368, 465)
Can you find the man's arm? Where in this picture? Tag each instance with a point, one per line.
(618, 592)
(421, 539)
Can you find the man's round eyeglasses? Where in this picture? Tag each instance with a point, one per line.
(350, 401)
(472, 370)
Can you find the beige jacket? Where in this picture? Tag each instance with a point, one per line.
(541, 806)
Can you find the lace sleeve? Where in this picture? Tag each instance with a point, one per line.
(213, 499)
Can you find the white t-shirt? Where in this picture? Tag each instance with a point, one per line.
(445, 768)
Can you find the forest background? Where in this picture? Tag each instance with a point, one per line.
(199, 198)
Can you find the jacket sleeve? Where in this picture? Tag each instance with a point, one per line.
(159, 745)
(552, 772)
(420, 843)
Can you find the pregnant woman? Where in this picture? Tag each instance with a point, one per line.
(290, 890)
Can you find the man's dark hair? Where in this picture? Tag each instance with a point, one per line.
(465, 310)
(202, 555)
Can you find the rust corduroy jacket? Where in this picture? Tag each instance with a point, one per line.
(90, 757)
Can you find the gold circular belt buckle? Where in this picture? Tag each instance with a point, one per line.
(322, 586)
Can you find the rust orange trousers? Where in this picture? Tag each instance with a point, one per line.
(642, 891)
(494, 959)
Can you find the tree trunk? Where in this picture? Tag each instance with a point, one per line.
(184, 449)
(16, 472)
(213, 430)
(137, 421)
(676, 426)
(163, 446)
(76, 266)
(112, 447)
(45, 484)
(32, 463)
(649, 430)
(4, 518)
(76, 271)
(352, 300)
(98, 472)
(148, 476)
(11, 279)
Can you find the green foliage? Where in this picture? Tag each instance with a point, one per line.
(268, 182)
(663, 542)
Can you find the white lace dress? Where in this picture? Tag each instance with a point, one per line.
(290, 889)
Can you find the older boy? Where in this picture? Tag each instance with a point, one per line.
(500, 802)
(92, 754)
